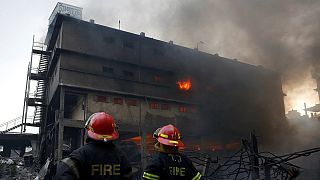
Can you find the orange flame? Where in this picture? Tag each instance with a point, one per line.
(184, 85)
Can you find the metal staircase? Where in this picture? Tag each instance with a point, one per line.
(37, 73)
(12, 124)
(36, 82)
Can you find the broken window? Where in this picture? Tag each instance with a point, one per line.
(131, 102)
(102, 99)
(182, 109)
(117, 100)
(165, 107)
(74, 106)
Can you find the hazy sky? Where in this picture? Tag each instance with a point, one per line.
(224, 27)
(20, 20)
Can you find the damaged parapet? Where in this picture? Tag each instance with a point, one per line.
(66, 9)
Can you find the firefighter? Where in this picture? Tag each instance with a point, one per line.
(99, 158)
(169, 163)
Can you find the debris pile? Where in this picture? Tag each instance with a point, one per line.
(13, 168)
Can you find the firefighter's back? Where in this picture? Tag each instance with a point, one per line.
(101, 161)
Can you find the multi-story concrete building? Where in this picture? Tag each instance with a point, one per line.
(146, 83)
(316, 109)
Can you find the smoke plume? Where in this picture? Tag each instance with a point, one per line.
(280, 35)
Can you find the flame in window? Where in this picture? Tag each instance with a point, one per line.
(184, 85)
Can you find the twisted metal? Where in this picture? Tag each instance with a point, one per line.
(238, 165)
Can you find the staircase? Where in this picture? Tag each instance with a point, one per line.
(37, 72)
(13, 124)
(41, 85)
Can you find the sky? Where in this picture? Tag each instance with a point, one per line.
(253, 31)
(21, 20)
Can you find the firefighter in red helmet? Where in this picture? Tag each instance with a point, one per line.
(169, 163)
(99, 158)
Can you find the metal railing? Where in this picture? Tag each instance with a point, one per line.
(38, 96)
(13, 124)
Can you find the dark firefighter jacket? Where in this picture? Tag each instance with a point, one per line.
(95, 161)
(170, 166)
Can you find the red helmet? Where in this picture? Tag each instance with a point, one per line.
(169, 135)
(101, 127)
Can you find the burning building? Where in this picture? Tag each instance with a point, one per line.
(144, 84)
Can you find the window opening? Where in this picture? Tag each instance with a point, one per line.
(154, 105)
(101, 98)
(165, 107)
(182, 109)
(117, 100)
(132, 102)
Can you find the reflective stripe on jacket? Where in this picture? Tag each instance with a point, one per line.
(170, 166)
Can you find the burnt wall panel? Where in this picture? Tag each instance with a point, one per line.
(54, 81)
(83, 71)
(103, 83)
(100, 41)
(121, 112)
(157, 54)
(154, 113)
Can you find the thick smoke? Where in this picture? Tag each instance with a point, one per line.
(280, 35)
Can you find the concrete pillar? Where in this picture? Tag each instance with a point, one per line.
(60, 140)
(34, 146)
(61, 126)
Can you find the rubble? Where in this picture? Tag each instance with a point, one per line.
(12, 168)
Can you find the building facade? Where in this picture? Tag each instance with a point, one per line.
(146, 83)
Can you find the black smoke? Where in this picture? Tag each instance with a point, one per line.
(283, 36)
(280, 35)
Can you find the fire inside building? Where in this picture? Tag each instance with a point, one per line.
(144, 84)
